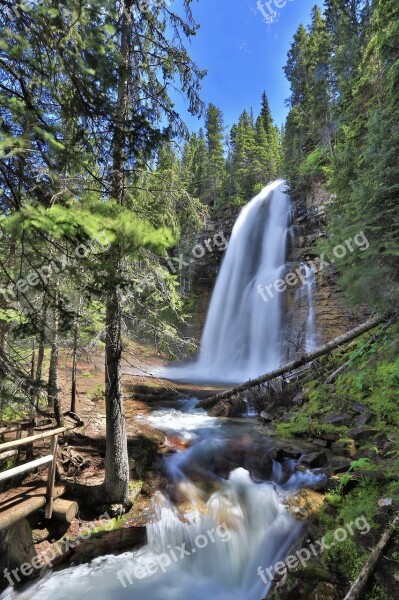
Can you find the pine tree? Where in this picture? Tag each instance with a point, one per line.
(215, 163)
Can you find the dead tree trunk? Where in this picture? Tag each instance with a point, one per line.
(295, 364)
(357, 590)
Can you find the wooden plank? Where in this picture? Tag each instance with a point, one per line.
(34, 438)
(21, 511)
(44, 460)
(8, 454)
(25, 425)
(11, 429)
(51, 478)
(16, 495)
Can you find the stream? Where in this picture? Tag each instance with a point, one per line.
(232, 521)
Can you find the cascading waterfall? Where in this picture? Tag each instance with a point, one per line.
(308, 337)
(243, 338)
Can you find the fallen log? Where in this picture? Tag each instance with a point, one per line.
(357, 589)
(295, 364)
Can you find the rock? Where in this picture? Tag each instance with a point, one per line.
(363, 420)
(363, 433)
(340, 465)
(320, 443)
(238, 406)
(385, 502)
(40, 535)
(344, 447)
(360, 408)
(369, 453)
(298, 400)
(330, 436)
(221, 409)
(16, 549)
(305, 502)
(286, 417)
(265, 417)
(103, 543)
(342, 419)
(314, 460)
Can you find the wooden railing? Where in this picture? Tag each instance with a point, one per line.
(9, 449)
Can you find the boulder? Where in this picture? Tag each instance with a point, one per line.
(363, 433)
(360, 408)
(345, 447)
(339, 420)
(16, 549)
(265, 417)
(320, 443)
(221, 409)
(363, 419)
(314, 460)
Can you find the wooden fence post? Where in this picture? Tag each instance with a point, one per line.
(51, 478)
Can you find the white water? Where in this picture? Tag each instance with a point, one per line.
(304, 297)
(242, 336)
(249, 522)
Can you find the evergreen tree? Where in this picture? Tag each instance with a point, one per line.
(215, 164)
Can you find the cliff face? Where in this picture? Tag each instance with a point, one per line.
(332, 317)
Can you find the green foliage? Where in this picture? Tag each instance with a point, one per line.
(342, 130)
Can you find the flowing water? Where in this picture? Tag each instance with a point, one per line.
(233, 524)
(242, 338)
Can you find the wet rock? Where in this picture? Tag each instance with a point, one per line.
(265, 417)
(238, 406)
(344, 447)
(305, 502)
(221, 409)
(363, 433)
(280, 453)
(339, 420)
(314, 460)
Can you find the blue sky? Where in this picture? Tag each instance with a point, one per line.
(243, 54)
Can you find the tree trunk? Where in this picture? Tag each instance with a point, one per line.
(75, 355)
(42, 343)
(295, 364)
(53, 391)
(3, 340)
(116, 482)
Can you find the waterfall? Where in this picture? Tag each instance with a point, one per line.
(243, 337)
(308, 337)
